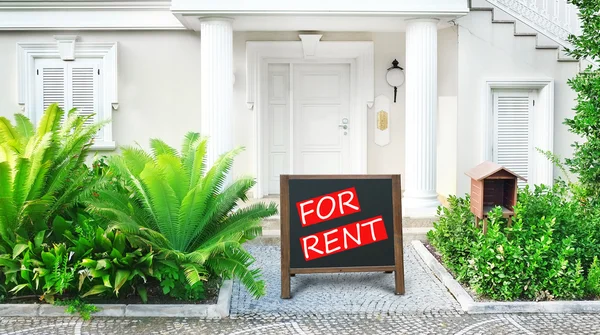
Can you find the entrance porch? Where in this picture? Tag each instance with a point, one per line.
(310, 96)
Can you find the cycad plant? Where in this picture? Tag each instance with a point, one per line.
(184, 210)
(42, 172)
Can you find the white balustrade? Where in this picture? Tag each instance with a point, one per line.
(556, 19)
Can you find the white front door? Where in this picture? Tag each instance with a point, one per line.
(322, 125)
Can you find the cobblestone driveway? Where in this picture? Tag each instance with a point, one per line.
(544, 324)
(328, 304)
(344, 293)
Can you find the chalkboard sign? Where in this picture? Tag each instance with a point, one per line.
(345, 223)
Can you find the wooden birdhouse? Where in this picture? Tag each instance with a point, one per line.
(492, 185)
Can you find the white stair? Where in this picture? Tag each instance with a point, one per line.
(522, 30)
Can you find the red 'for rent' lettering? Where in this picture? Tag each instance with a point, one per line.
(327, 207)
(343, 238)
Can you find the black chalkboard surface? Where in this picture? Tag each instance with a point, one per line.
(346, 223)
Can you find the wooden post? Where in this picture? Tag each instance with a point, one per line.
(398, 243)
(484, 225)
(477, 222)
(284, 201)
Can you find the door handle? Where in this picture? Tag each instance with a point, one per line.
(343, 126)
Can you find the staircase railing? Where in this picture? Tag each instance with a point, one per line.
(556, 19)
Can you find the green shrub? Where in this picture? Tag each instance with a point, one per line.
(544, 255)
(77, 306)
(90, 261)
(173, 282)
(42, 172)
(586, 121)
(48, 245)
(593, 279)
(185, 211)
(164, 220)
(454, 233)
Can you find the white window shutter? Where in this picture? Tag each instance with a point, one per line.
(74, 84)
(50, 84)
(513, 131)
(84, 89)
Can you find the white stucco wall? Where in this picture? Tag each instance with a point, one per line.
(491, 51)
(159, 89)
(158, 81)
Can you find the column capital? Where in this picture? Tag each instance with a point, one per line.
(422, 20)
(216, 20)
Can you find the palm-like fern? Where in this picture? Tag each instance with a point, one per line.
(184, 210)
(41, 172)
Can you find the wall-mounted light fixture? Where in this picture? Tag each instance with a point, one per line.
(395, 77)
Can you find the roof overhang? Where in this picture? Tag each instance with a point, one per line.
(320, 15)
(248, 15)
(88, 15)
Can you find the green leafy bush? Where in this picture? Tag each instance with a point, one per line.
(128, 225)
(546, 254)
(593, 279)
(42, 172)
(173, 282)
(454, 233)
(88, 262)
(586, 122)
(77, 306)
(48, 245)
(185, 211)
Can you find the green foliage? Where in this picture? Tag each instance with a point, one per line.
(454, 233)
(593, 279)
(546, 254)
(174, 283)
(586, 122)
(129, 222)
(90, 261)
(77, 306)
(42, 172)
(183, 209)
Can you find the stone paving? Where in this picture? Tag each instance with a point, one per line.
(327, 304)
(344, 293)
(542, 324)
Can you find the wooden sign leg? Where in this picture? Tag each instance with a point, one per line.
(398, 242)
(285, 236)
(285, 286)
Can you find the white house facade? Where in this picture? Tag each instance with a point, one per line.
(304, 86)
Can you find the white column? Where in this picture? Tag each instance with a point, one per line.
(420, 196)
(216, 93)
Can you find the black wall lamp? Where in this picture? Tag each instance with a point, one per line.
(395, 77)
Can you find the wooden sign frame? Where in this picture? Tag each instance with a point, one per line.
(287, 272)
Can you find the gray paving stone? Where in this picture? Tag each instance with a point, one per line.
(522, 324)
(344, 293)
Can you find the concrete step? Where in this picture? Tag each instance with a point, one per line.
(273, 237)
(274, 223)
(412, 229)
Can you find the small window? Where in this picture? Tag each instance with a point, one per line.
(71, 84)
(512, 133)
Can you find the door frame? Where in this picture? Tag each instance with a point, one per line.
(359, 56)
(542, 169)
